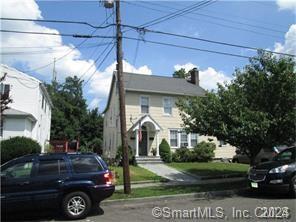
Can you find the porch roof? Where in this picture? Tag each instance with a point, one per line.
(144, 119)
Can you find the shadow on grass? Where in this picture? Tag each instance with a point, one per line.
(213, 172)
(42, 214)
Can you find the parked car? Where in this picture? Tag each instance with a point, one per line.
(278, 174)
(263, 155)
(72, 182)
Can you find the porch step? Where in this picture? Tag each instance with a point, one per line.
(148, 159)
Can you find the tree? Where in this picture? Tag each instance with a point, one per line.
(256, 110)
(4, 95)
(70, 117)
(181, 73)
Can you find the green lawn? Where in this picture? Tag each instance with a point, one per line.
(136, 174)
(170, 190)
(211, 169)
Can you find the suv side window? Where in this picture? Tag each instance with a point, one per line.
(52, 167)
(85, 164)
(18, 170)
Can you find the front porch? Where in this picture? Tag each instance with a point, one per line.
(144, 137)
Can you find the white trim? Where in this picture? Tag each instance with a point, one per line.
(140, 99)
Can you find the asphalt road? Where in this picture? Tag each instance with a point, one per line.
(243, 207)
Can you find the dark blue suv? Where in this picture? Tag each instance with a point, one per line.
(71, 182)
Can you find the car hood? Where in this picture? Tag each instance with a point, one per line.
(271, 164)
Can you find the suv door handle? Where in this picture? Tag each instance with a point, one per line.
(24, 183)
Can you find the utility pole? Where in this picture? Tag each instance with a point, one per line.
(54, 72)
(126, 172)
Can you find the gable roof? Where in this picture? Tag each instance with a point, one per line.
(156, 84)
(14, 73)
(161, 84)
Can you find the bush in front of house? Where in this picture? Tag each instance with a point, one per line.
(182, 155)
(203, 152)
(18, 146)
(119, 156)
(165, 151)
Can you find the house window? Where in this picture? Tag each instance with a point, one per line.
(42, 104)
(144, 104)
(193, 139)
(222, 143)
(174, 138)
(184, 139)
(167, 105)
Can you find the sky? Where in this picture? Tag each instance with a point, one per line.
(268, 25)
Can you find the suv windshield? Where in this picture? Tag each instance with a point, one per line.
(286, 155)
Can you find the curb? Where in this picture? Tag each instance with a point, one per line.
(234, 175)
(199, 195)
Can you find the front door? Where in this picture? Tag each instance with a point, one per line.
(143, 144)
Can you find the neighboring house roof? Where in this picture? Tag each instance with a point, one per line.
(17, 113)
(43, 88)
(156, 84)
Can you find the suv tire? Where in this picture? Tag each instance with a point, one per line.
(76, 205)
(293, 186)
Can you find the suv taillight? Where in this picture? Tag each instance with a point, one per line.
(108, 178)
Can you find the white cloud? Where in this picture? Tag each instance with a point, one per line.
(71, 64)
(208, 77)
(289, 46)
(287, 5)
(188, 66)
(101, 81)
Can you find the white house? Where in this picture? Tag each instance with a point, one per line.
(152, 115)
(29, 114)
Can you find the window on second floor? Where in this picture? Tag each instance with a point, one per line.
(167, 105)
(144, 102)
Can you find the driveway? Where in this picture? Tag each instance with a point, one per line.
(169, 172)
(243, 207)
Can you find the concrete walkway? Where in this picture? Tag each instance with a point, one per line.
(168, 172)
(176, 183)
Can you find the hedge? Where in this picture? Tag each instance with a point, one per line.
(18, 146)
(165, 151)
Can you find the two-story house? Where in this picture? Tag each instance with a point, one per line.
(29, 114)
(152, 115)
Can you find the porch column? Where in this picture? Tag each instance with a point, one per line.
(157, 143)
(137, 143)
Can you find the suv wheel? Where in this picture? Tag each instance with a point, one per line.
(293, 186)
(76, 205)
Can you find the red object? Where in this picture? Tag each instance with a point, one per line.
(140, 133)
(108, 178)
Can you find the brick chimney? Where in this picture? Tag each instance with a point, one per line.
(194, 76)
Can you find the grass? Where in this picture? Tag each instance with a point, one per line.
(211, 169)
(171, 190)
(136, 174)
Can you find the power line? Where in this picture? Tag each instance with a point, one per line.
(56, 21)
(210, 22)
(204, 40)
(71, 50)
(172, 15)
(188, 47)
(219, 18)
(91, 76)
(56, 34)
(48, 51)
